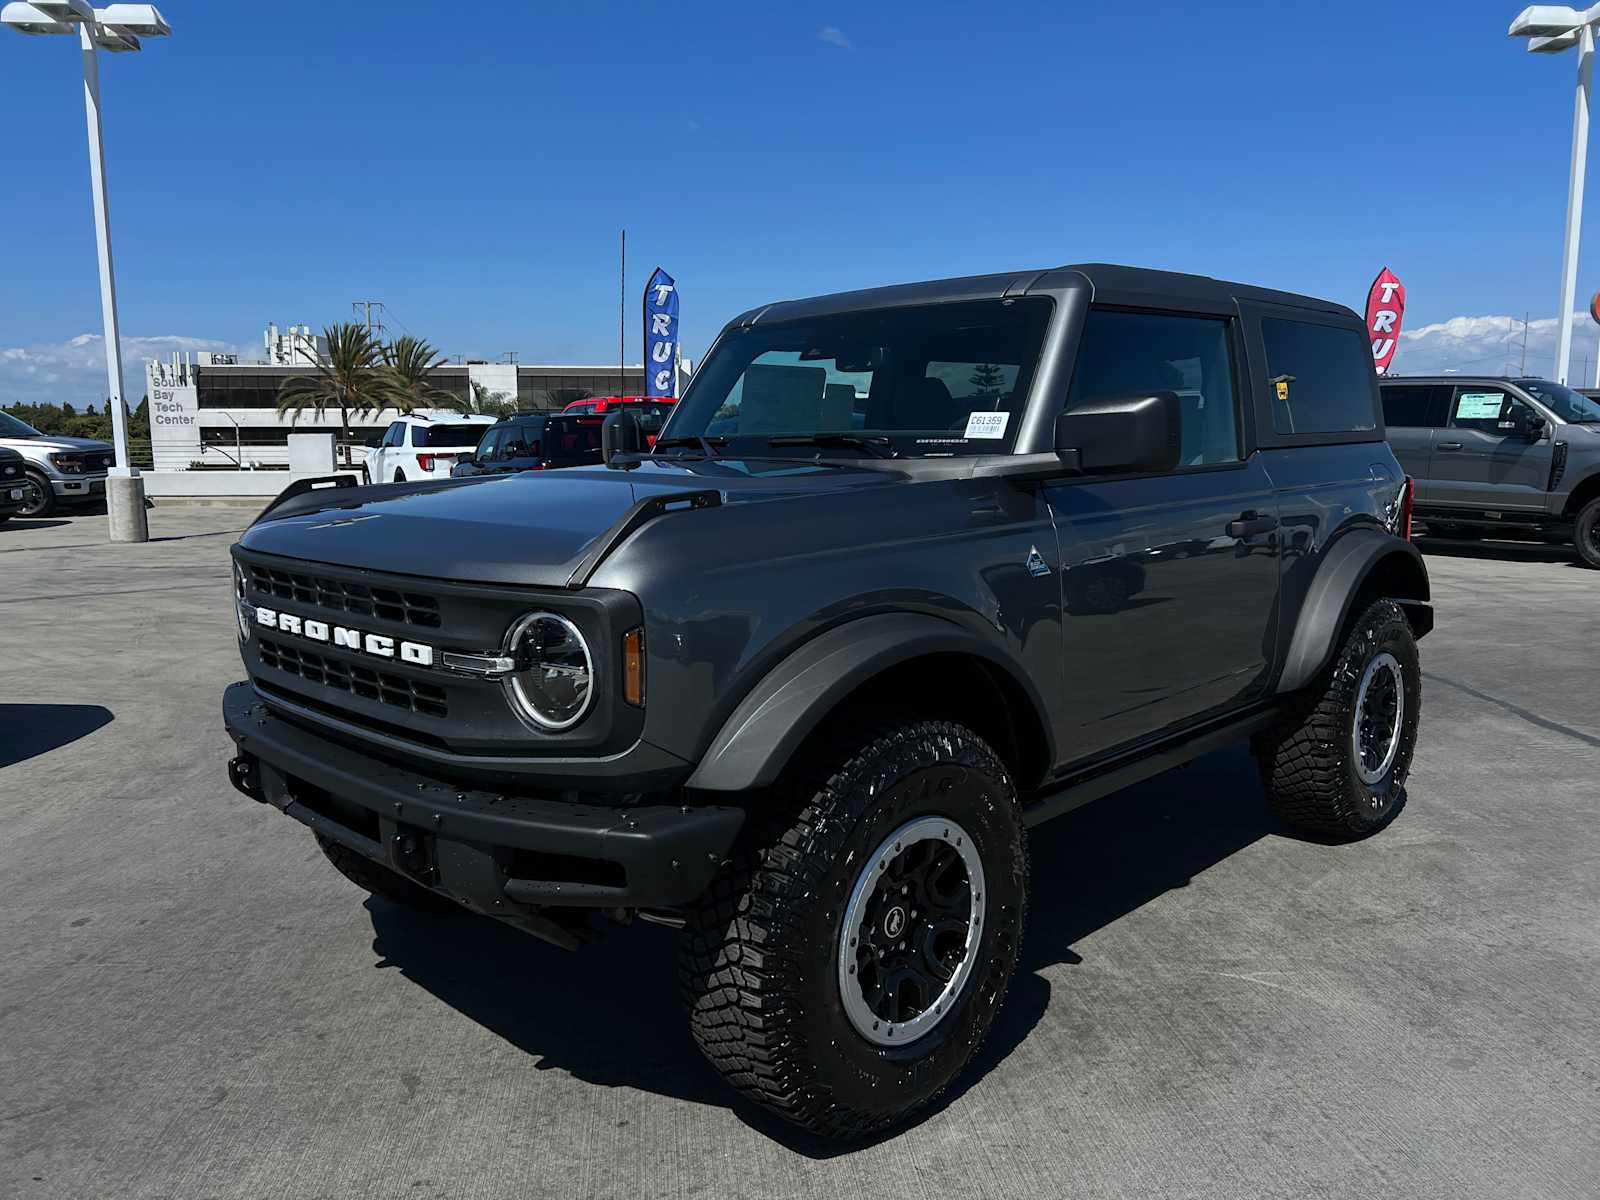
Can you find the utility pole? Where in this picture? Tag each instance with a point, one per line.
(358, 306)
(1525, 317)
(622, 320)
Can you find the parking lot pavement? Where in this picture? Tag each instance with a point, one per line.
(193, 1003)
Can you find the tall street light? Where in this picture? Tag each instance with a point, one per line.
(117, 28)
(1550, 29)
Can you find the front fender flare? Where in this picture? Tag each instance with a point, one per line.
(1343, 567)
(768, 726)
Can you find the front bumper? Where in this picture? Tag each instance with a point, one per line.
(506, 856)
(78, 487)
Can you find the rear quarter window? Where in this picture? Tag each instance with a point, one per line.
(1319, 378)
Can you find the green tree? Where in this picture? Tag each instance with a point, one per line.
(989, 379)
(495, 404)
(349, 381)
(406, 378)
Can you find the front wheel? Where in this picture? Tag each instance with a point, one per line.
(38, 498)
(1336, 763)
(1586, 534)
(846, 967)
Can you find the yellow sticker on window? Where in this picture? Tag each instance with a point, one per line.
(1283, 389)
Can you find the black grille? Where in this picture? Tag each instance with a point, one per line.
(382, 686)
(389, 604)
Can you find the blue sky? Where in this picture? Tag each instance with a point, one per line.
(474, 174)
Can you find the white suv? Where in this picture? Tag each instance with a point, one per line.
(420, 446)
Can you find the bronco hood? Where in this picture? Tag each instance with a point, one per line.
(533, 528)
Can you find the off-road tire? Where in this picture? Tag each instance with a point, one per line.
(1586, 534)
(1308, 764)
(47, 498)
(381, 881)
(758, 961)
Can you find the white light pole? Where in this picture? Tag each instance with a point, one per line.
(1550, 29)
(116, 28)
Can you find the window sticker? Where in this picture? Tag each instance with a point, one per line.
(1478, 406)
(987, 424)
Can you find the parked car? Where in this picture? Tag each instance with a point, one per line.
(798, 688)
(1492, 454)
(602, 405)
(423, 447)
(57, 470)
(534, 442)
(12, 479)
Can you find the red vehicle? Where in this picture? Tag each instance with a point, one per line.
(605, 404)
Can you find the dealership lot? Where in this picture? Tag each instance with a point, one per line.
(193, 1003)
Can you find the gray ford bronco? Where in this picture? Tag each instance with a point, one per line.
(908, 571)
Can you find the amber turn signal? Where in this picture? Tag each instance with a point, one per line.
(633, 667)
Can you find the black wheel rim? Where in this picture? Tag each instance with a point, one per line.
(32, 498)
(911, 930)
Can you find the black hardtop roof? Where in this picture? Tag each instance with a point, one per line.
(1101, 278)
(1468, 376)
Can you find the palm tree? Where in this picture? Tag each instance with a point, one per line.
(347, 380)
(495, 404)
(406, 383)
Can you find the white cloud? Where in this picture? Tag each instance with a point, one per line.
(834, 36)
(74, 371)
(1494, 346)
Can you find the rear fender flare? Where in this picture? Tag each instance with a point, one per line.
(1345, 567)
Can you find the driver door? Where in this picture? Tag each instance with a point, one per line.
(1481, 460)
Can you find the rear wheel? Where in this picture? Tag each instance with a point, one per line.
(380, 880)
(38, 499)
(846, 967)
(1586, 534)
(399, 476)
(1336, 764)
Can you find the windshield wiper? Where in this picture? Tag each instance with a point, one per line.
(883, 447)
(706, 445)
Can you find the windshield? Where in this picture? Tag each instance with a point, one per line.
(447, 435)
(1562, 400)
(12, 428)
(938, 380)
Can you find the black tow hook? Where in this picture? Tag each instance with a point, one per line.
(243, 775)
(411, 854)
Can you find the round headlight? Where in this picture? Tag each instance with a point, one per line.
(553, 680)
(242, 612)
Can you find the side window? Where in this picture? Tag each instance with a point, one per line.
(489, 450)
(515, 441)
(1487, 409)
(392, 437)
(1412, 405)
(1319, 377)
(1125, 352)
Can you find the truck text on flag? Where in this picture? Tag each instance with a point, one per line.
(1386, 306)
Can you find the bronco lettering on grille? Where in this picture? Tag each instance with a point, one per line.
(376, 644)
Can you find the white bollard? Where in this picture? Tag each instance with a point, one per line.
(125, 506)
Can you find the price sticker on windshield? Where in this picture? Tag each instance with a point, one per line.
(987, 424)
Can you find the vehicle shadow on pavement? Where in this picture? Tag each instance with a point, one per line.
(27, 524)
(28, 730)
(614, 1019)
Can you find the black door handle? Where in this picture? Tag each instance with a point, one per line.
(1251, 523)
(1448, 446)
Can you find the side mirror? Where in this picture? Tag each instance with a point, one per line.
(1528, 424)
(620, 435)
(1114, 434)
(372, 443)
